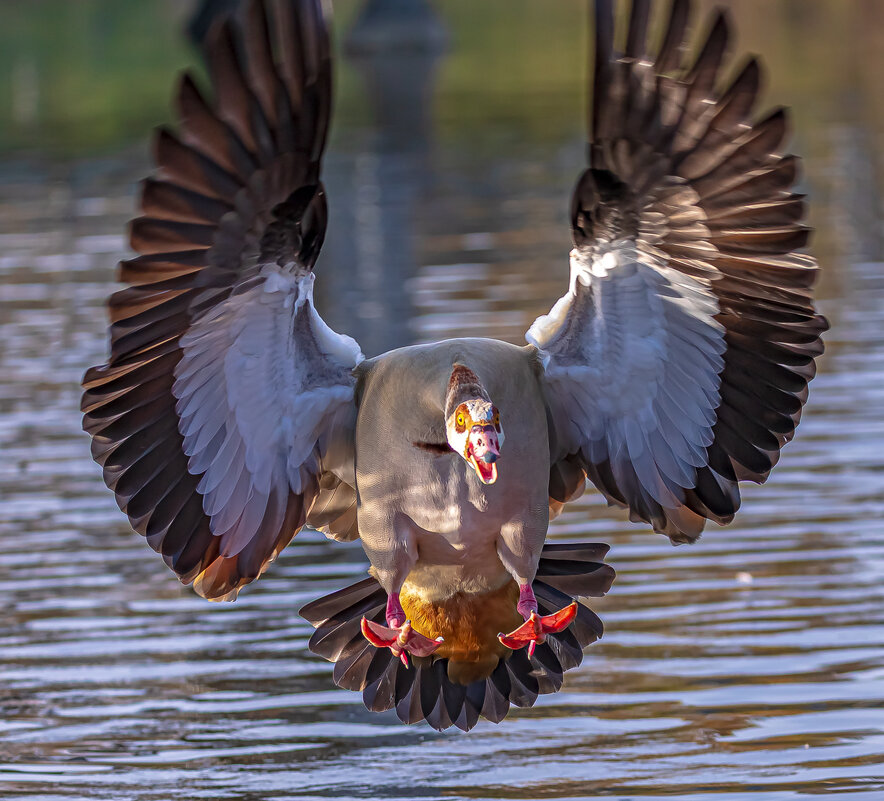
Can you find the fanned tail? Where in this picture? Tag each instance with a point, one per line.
(424, 691)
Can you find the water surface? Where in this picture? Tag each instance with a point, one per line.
(751, 665)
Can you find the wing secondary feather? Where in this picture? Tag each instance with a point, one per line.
(677, 363)
(225, 390)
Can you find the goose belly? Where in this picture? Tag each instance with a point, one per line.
(456, 524)
(429, 508)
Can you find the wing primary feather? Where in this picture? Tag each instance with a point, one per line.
(636, 42)
(603, 57)
(688, 335)
(220, 297)
(670, 55)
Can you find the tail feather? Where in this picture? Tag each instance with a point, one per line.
(424, 690)
(567, 649)
(474, 705)
(409, 708)
(380, 695)
(352, 667)
(432, 699)
(498, 687)
(524, 679)
(454, 696)
(587, 626)
(341, 605)
(567, 569)
(544, 667)
(332, 641)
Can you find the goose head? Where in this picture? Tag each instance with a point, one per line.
(472, 423)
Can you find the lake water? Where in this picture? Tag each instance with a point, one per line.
(748, 666)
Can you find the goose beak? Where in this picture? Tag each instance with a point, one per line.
(483, 451)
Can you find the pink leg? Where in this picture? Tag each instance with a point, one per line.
(527, 602)
(395, 614)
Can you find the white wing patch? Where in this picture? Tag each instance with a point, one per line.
(633, 356)
(262, 381)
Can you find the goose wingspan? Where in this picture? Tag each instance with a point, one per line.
(225, 394)
(677, 364)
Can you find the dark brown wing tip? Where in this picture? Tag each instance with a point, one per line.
(671, 114)
(257, 119)
(423, 691)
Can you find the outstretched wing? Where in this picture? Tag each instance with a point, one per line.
(226, 397)
(678, 361)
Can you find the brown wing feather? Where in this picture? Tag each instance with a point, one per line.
(225, 179)
(680, 163)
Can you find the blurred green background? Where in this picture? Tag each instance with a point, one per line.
(80, 78)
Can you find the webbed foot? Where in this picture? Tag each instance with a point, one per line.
(536, 627)
(398, 635)
(400, 639)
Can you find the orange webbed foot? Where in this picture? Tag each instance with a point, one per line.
(536, 628)
(401, 640)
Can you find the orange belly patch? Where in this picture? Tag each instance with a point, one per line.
(469, 624)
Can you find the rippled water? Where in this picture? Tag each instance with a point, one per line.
(751, 665)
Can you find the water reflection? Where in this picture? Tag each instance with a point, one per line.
(378, 196)
(752, 663)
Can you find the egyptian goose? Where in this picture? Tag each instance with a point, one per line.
(229, 415)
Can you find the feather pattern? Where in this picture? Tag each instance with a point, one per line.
(678, 361)
(424, 691)
(224, 388)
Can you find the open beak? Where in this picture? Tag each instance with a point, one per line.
(483, 451)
